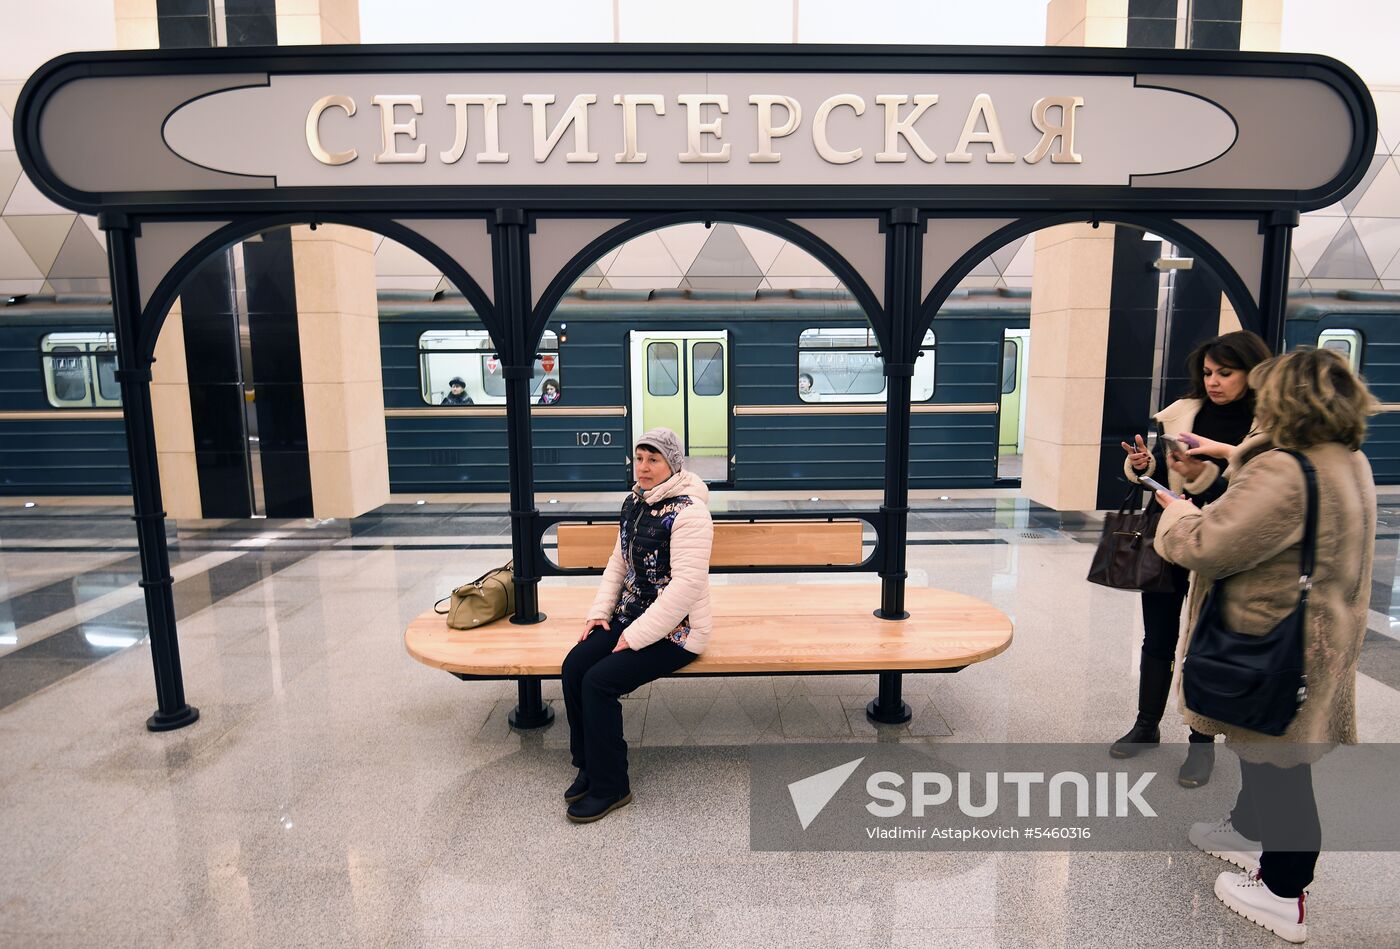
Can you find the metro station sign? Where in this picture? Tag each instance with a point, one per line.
(365, 124)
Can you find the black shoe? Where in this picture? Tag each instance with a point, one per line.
(1138, 738)
(1200, 762)
(578, 789)
(592, 808)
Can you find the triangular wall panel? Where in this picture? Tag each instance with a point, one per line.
(1388, 116)
(793, 261)
(80, 257)
(1359, 192)
(763, 246)
(41, 235)
(1382, 198)
(1002, 258)
(9, 175)
(684, 242)
(26, 199)
(1311, 237)
(1344, 259)
(15, 262)
(1381, 238)
(644, 256)
(724, 254)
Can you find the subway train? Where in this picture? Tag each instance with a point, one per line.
(770, 389)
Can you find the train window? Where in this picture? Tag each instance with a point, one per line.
(105, 362)
(842, 364)
(469, 357)
(80, 369)
(708, 361)
(663, 369)
(1009, 350)
(1346, 342)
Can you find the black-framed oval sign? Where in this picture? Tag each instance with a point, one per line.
(463, 127)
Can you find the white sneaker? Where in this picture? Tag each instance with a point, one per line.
(1223, 841)
(1247, 895)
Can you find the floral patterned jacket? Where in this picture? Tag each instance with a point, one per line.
(657, 582)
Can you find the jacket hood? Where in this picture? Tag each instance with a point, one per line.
(682, 482)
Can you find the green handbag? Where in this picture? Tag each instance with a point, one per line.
(486, 599)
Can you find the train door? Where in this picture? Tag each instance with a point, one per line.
(1011, 428)
(681, 381)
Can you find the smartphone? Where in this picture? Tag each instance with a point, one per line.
(1156, 486)
(1177, 446)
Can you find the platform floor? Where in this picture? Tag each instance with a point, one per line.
(335, 792)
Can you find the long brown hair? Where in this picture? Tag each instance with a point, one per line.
(1241, 350)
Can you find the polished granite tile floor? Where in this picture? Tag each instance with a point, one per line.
(334, 792)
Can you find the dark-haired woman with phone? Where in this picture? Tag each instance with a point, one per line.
(1219, 407)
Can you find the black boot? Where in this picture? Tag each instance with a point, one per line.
(578, 789)
(1200, 761)
(1154, 682)
(591, 807)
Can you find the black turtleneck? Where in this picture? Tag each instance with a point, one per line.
(1227, 423)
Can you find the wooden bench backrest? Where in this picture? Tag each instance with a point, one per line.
(737, 544)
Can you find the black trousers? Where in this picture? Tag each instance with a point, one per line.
(594, 679)
(1276, 807)
(1161, 617)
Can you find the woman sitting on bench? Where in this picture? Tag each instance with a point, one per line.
(651, 617)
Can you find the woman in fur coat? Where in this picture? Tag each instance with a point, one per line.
(1247, 545)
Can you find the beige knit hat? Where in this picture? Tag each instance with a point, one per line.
(667, 444)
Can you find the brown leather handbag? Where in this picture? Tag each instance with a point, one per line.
(486, 599)
(1125, 559)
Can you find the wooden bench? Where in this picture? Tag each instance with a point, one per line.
(759, 629)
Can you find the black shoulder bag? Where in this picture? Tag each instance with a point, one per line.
(1254, 682)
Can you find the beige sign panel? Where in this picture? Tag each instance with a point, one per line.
(107, 130)
(658, 129)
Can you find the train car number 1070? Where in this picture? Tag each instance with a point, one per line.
(594, 438)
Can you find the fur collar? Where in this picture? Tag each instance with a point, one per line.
(1255, 444)
(1180, 416)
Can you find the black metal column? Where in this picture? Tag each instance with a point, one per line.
(511, 271)
(1277, 229)
(900, 350)
(134, 377)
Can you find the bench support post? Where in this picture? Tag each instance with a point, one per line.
(510, 257)
(900, 351)
(530, 709)
(889, 708)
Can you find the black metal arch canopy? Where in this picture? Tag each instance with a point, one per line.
(896, 166)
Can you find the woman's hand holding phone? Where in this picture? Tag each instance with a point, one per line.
(1162, 490)
(1179, 458)
(1207, 446)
